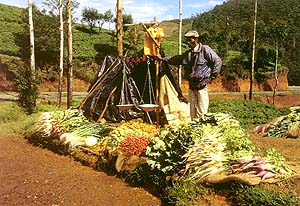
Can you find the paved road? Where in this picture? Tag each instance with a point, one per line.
(12, 96)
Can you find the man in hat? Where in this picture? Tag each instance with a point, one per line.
(201, 64)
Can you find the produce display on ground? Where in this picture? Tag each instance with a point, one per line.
(287, 126)
(211, 149)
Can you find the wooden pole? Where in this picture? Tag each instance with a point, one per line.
(31, 32)
(253, 52)
(157, 92)
(179, 40)
(61, 51)
(119, 28)
(70, 56)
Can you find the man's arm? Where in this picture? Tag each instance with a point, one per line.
(214, 61)
(175, 60)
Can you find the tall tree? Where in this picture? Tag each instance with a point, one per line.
(61, 53)
(31, 34)
(70, 55)
(278, 34)
(90, 16)
(292, 44)
(253, 51)
(109, 17)
(119, 28)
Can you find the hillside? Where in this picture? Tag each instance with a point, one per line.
(227, 29)
(10, 24)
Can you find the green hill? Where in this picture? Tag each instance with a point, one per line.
(10, 24)
(228, 29)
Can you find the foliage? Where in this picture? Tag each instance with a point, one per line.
(185, 191)
(248, 113)
(227, 29)
(292, 45)
(90, 16)
(9, 26)
(46, 37)
(27, 89)
(147, 177)
(166, 150)
(285, 126)
(230, 28)
(245, 195)
(15, 122)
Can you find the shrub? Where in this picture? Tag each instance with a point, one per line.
(248, 113)
(27, 89)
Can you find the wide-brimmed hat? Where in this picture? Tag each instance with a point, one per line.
(192, 33)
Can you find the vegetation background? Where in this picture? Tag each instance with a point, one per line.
(228, 29)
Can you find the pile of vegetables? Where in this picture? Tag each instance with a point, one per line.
(201, 147)
(215, 143)
(287, 126)
(134, 145)
(272, 165)
(71, 127)
(137, 131)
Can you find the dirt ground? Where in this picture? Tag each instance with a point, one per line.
(33, 176)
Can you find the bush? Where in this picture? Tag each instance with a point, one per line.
(248, 113)
(27, 89)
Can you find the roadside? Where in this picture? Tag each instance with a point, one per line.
(34, 176)
(9, 95)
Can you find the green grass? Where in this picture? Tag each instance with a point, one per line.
(248, 113)
(14, 121)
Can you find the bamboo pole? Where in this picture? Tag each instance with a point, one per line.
(180, 40)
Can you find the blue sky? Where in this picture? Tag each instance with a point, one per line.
(141, 10)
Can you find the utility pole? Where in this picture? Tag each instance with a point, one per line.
(119, 28)
(179, 40)
(253, 52)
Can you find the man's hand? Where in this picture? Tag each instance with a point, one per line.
(213, 76)
(159, 57)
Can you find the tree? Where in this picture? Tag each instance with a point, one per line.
(253, 51)
(61, 53)
(119, 25)
(108, 16)
(278, 33)
(90, 16)
(70, 56)
(292, 51)
(127, 19)
(26, 81)
(31, 34)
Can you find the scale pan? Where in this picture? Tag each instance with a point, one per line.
(123, 107)
(148, 107)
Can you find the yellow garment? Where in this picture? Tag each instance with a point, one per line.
(175, 110)
(150, 47)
